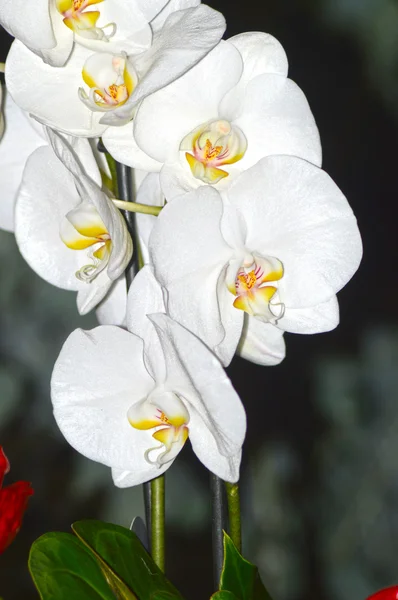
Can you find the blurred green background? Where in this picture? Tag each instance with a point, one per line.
(320, 467)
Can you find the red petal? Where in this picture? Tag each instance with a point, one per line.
(4, 465)
(13, 502)
(390, 593)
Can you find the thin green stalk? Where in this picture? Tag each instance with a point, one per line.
(157, 521)
(233, 500)
(2, 70)
(136, 207)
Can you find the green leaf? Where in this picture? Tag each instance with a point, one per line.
(121, 549)
(62, 568)
(223, 595)
(239, 576)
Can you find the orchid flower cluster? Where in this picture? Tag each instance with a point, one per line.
(241, 235)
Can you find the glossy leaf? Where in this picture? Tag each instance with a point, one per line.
(121, 549)
(239, 576)
(223, 595)
(63, 568)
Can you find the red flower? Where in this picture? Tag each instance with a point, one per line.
(390, 593)
(13, 502)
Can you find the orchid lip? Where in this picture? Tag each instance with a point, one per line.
(83, 22)
(256, 289)
(213, 145)
(164, 412)
(111, 79)
(83, 229)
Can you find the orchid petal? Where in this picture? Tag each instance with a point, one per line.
(150, 193)
(171, 6)
(112, 309)
(49, 94)
(90, 295)
(261, 53)
(315, 319)
(124, 479)
(17, 17)
(151, 9)
(190, 270)
(276, 119)
(145, 297)
(1, 113)
(261, 343)
(19, 141)
(46, 194)
(120, 143)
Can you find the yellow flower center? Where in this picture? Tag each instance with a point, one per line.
(111, 80)
(256, 289)
(170, 424)
(81, 229)
(211, 145)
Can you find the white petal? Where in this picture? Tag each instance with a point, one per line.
(123, 479)
(212, 399)
(59, 54)
(315, 319)
(261, 343)
(92, 389)
(28, 21)
(176, 179)
(149, 193)
(18, 142)
(186, 37)
(1, 112)
(261, 53)
(188, 263)
(76, 154)
(46, 194)
(165, 118)
(112, 309)
(51, 94)
(232, 321)
(93, 293)
(170, 7)
(145, 297)
(150, 9)
(296, 213)
(276, 119)
(120, 143)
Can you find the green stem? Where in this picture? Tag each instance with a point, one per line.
(157, 521)
(233, 500)
(2, 67)
(145, 209)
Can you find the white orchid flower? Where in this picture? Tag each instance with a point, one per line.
(233, 108)
(95, 90)
(22, 135)
(267, 258)
(130, 399)
(66, 227)
(51, 28)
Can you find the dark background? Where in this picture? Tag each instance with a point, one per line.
(319, 475)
